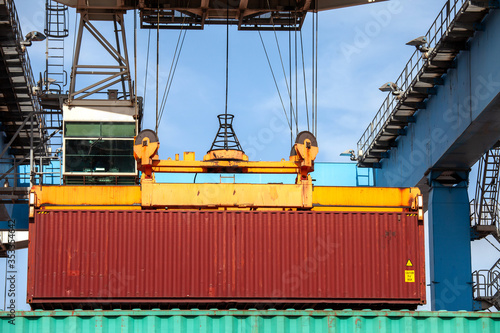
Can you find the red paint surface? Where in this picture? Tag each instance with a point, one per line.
(236, 259)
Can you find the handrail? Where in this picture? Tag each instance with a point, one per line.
(25, 60)
(486, 283)
(411, 72)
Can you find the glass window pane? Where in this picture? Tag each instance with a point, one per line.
(118, 130)
(99, 130)
(97, 155)
(82, 129)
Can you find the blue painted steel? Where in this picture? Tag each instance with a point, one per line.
(450, 251)
(19, 213)
(452, 130)
(456, 127)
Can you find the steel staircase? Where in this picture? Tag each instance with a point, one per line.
(448, 36)
(486, 287)
(484, 206)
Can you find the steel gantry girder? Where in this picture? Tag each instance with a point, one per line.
(246, 14)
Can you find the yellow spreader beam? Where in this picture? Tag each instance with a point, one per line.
(299, 196)
(152, 195)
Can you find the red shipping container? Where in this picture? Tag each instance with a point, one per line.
(110, 259)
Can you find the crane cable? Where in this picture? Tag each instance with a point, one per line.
(275, 82)
(157, 64)
(305, 83)
(282, 64)
(296, 78)
(313, 124)
(316, 71)
(172, 71)
(147, 72)
(227, 74)
(173, 65)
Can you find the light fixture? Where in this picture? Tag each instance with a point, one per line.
(349, 153)
(421, 45)
(391, 87)
(33, 36)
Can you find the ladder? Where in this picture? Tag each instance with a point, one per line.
(56, 29)
(484, 206)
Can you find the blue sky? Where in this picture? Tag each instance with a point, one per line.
(360, 48)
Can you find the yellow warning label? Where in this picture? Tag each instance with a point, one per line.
(409, 276)
(408, 263)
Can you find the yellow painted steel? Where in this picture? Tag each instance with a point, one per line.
(226, 195)
(67, 195)
(173, 166)
(232, 196)
(332, 198)
(92, 207)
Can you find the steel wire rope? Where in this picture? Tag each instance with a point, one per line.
(281, 60)
(227, 75)
(173, 66)
(147, 71)
(296, 77)
(157, 63)
(305, 81)
(172, 71)
(275, 82)
(312, 74)
(316, 71)
(492, 244)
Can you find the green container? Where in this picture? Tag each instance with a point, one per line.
(181, 321)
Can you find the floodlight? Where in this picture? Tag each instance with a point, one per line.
(33, 36)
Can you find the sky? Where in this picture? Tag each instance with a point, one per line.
(359, 49)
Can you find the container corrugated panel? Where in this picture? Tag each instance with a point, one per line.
(251, 321)
(225, 259)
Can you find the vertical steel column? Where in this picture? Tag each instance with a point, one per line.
(450, 251)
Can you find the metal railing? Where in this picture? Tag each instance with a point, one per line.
(37, 154)
(486, 283)
(412, 71)
(25, 59)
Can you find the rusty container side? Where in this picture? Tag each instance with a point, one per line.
(225, 258)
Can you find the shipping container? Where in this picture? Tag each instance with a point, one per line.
(225, 259)
(251, 321)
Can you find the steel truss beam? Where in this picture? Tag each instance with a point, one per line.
(116, 74)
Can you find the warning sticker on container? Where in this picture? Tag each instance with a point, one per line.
(408, 263)
(409, 276)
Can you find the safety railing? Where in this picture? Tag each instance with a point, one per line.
(25, 61)
(413, 69)
(486, 283)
